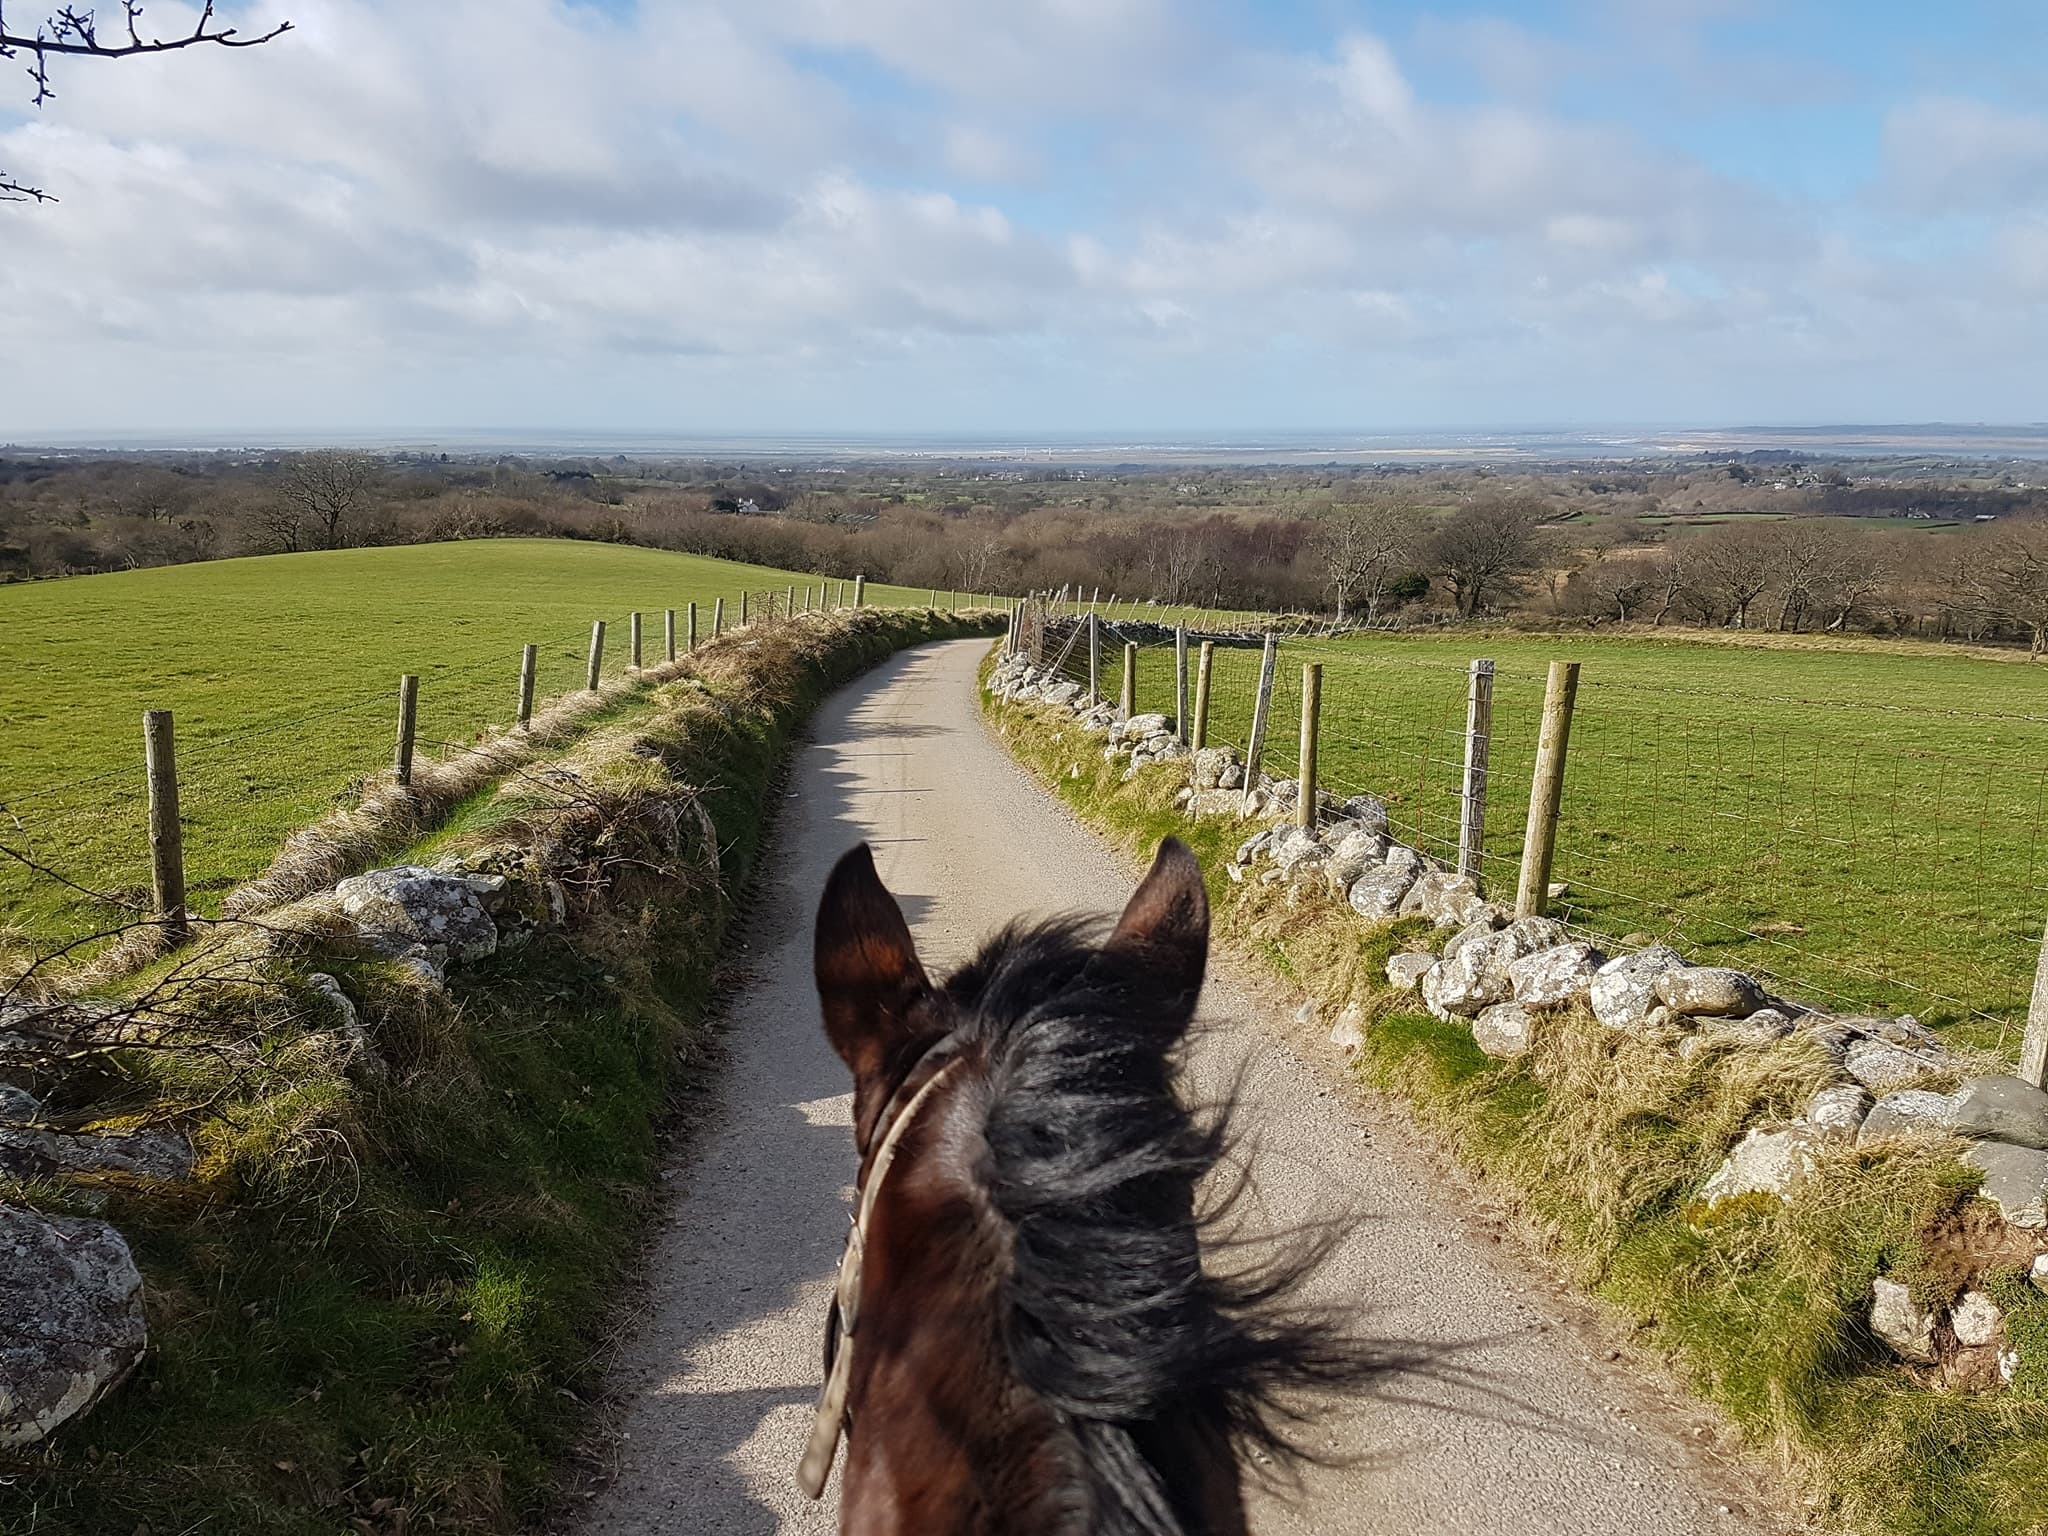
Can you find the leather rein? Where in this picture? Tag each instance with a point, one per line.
(828, 1425)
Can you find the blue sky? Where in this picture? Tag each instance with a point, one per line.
(1040, 215)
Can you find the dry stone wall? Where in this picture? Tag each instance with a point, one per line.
(1497, 974)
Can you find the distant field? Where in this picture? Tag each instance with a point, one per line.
(1864, 820)
(283, 671)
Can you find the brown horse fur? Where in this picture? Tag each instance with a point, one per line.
(1040, 1348)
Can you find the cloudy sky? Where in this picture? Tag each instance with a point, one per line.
(1036, 215)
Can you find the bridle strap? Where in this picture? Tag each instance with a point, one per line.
(828, 1424)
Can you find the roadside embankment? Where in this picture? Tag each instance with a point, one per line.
(332, 1205)
(1830, 1227)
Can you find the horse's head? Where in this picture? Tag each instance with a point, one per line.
(1024, 1336)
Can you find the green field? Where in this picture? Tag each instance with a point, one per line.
(282, 671)
(1862, 821)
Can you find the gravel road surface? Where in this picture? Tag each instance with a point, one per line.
(1534, 1430)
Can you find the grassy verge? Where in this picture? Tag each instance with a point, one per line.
(1599, 1142)
(379, 1303)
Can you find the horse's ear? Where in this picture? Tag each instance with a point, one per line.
(1165, 927)
(869, 977)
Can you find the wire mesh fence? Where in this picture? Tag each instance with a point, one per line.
(259, 758)
(1862, 853)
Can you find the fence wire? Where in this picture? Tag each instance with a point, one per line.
(1860, 853)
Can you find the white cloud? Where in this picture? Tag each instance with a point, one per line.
(528, 210)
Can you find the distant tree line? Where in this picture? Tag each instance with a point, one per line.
(1392, 548)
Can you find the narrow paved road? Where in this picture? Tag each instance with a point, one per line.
(719, 1378)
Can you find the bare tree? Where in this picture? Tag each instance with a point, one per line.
(327, 491)
(1481, 546)
(2004, 576)
(1361, 547)
(1673, 578)
(73, 32)
(1809, 554)
(1736, 563)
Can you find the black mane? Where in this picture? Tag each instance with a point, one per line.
(1093, 1164)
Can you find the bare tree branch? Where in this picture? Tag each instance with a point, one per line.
(73, 32)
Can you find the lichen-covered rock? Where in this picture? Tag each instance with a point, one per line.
(1763, 1028)
(1444, 897)
(1624, 990)
(1210, 764)
(72, 1324)
(2038, 1276)
(1710, 991)
(1353, 850)
(31, 1148)
(2003, 1109)
(2015, 1180)
(1837, 1113)
(1060, 693)
(1504, 1030)
(1764, 1163)
(1364, 812)
(408, 905)
(1881, 1066)
(1976, 1320)
(358, 1054)
(1138, 727)
(1216, 802)
(1908, 1112)
(1377, 894)
(1901, 1322)
(1475, 970)
(1291, 847)
(1554, 976)
(1405, 971)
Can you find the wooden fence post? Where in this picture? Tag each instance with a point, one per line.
(1478, 738)
(743, 607)
(166, 837)
(717, 617)
(1262, 705)
(634, 627)
(693, 626)
(1183, 725)
(596, 654)
(1546, 790)
(1130, 690)
(2034, 1045)
(1094, 663)
(528, 657)
(1305, 807)
(860, 591)
(668, 632)
(408, 718)
(789, 602)
(1203, 668)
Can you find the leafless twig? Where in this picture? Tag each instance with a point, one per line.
(73, 31)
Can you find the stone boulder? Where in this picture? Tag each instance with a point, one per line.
(1624, 990)
(1908, 1112)
(1060, 693)
(1901, 1322)
(1976, 1320)
(1291, 848)
(1765, 1027)
(1376, 895)
(1764, 1163)
(1838, 1113)
(1504, 1030)
(1474, 973)
(1216, 802)
(1349, 1030)
(2038, 1276)
(1405, 971)
(1352, 851)
(1365, 813)
(1881, 1066)
(1709, 990)
(1210, 765)
(72, 1327)
(1445, 898)
(409, 907)
(2015, 1180)
(1554, 976)
(1138, 727)
(2003, 1109)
